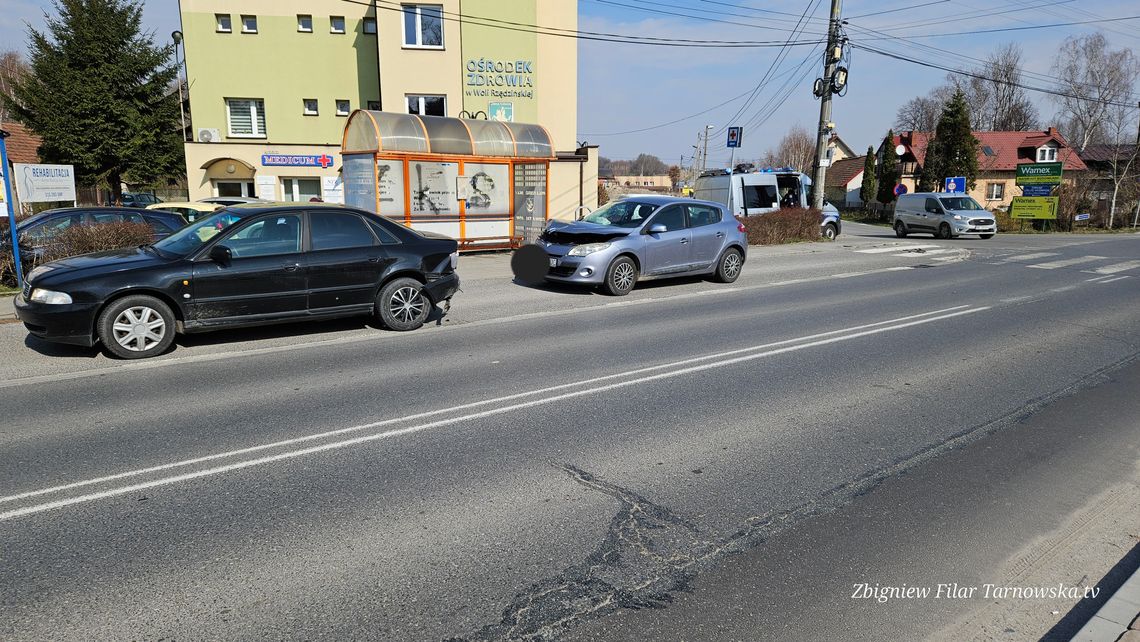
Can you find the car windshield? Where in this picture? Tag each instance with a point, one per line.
(960, 203)
(622, 214)
(195, 235)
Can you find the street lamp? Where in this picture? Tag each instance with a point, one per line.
(705, 154)
(177, 38)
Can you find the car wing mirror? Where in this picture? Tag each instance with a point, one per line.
(221, 254)
(657, 229)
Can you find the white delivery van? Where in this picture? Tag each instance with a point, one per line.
(944, 214)
(754, 193)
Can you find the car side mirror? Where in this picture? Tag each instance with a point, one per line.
(221, 254)
(657, 229)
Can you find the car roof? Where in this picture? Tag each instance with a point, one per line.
(201, 207)
(281, 206)
(658, 199)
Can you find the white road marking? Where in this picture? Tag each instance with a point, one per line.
(893, 248)
(1119, 278)
(1053, 265)
(393, 336)
(1028, 257)
(847, 275)
(625, 381)
(923, 254)
(945, 258)
(1118, 267)
(1097, 278)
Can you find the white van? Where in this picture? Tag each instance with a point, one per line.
(944, 215)
(759, 192)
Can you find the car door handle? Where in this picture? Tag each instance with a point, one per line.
(720, 235)
(683, 241)
(373, 259)
(292, 267)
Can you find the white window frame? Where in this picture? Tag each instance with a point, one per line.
(332, 25)
(420, 27)
(1046, 154)
(347, 106)
(990, 196)
(315, 110)
(291, 188)
(373, 105)
(369, 26)
(253, 118)
(219, 18)
(421, 101)
(301, 18)
(245, 26)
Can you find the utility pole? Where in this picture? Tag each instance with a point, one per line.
(705, 153)
(1136, 213)
(824, 88)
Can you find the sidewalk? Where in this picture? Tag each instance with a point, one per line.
(1119, 619)
(7, 308)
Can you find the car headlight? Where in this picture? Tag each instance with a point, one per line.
(454, 256)
(40, 295)
(959, 217)
(588, 248)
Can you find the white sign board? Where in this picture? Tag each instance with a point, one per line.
(44, 183)
(332, 189)
(267, 188)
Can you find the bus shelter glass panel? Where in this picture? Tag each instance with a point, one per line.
(530, 200)
(360, 181)
(433, 188)
(390, 187)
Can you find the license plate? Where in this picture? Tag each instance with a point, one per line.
(553, 262)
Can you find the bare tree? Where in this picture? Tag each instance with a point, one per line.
(1009, 107)
(1118, 123)
(1093, 77)
(12, 68)
(796, 149)
(918, 114)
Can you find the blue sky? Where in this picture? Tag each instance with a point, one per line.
(625, 87)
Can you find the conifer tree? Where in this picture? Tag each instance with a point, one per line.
(953, 151)
(868, 190)
(888, 175)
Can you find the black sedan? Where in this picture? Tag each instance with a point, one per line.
(242, 266)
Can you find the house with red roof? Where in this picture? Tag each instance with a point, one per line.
(843, 180)
(999, 154)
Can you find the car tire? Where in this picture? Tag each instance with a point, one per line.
(621, 276)
(830, 232)
(900, 229)
(402, 305)
(985, 236)
(136, 327)
(944, 232)
(729, 266)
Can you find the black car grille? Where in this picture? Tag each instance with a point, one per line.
(982, 221)
(27, 291)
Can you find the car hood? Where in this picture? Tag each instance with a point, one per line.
(96, 263)
(580, 232)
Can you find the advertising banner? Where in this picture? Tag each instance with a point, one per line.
(1038, 173)
(1039, 207)
(44, 183)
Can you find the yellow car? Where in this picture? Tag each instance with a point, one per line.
(189, 210)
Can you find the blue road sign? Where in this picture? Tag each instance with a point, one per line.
(900, 189)
(735, 134)
(1036, 190)
(1081, 217)
(956, 184)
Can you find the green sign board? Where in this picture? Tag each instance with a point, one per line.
(1043, 207)
(1038, 173)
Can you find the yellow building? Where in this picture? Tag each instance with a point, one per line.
(273, 82)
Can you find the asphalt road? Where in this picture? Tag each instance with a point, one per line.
(548, 462)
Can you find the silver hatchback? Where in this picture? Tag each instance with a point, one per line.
(645, 237)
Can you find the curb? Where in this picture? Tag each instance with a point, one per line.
(1119, 619)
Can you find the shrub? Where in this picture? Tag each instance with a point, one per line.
(78, 239)
(790, 225)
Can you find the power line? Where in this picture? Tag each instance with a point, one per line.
(960, 17)
(913, 6)
(1046, 26)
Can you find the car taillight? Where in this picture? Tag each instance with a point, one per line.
(740, 227)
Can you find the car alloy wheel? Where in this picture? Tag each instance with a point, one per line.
(829, 232)
(624, 276)
(406, 304)
(732, 265)
(139, 329)
(900, 229)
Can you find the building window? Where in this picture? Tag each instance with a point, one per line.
(995, 191)
(1046, 154)
(249, 24)
(423, 26)
(246, 117)
(423, 105)
(301, 190)
(309, 106)
(304, 23)
(370, 25)
(374, 105)
(224, 25)
(342, 108)
(336, 24)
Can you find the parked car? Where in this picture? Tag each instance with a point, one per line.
(139, 199)
(188, 210)
(944, 215)
(758, 192)
(39, 232)
(645, 237)
(254, 265)
(232, 200)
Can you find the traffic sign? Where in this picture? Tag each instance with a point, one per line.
(1039, 173)
(900, 189)
(1082, 217)
(956, 184)
(1037, 190)
(1041, 207)
(735, 134)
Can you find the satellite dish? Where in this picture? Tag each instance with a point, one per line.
(900, 150)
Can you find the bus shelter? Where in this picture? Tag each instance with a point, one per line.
(481, 182)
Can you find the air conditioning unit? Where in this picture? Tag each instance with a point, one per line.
(209, 135)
